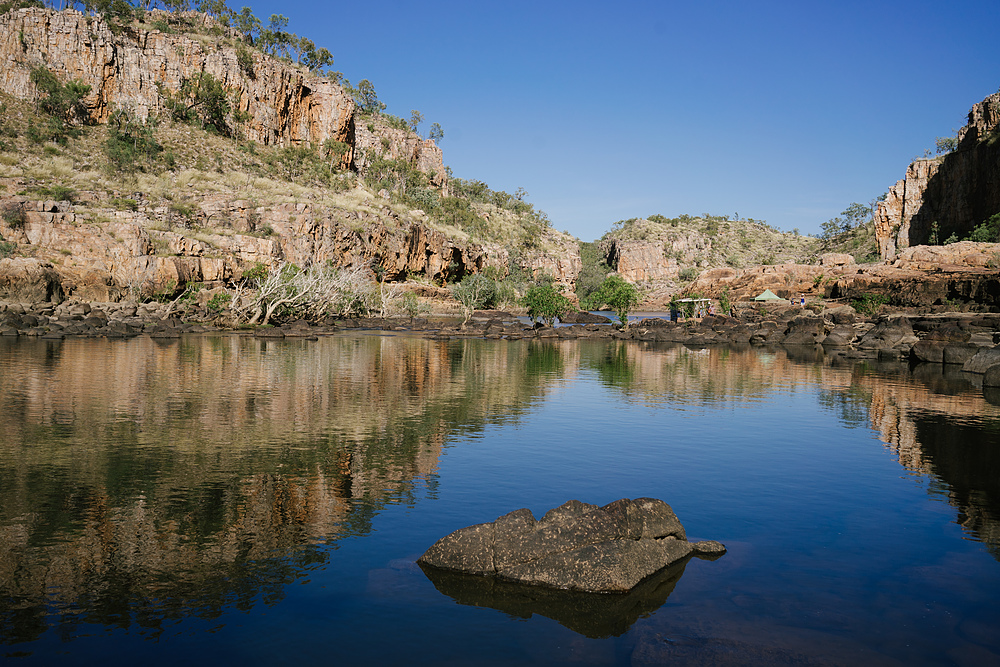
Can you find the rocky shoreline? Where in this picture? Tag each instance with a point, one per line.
(968, 339)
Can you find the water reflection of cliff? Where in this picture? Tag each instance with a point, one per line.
(141, 481)
(932, 417)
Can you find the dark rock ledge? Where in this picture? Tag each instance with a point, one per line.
(576, 546)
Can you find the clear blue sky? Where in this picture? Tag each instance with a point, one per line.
(785, 111)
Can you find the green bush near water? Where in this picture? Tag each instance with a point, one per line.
(545, 302)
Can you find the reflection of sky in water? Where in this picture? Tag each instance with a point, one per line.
(277, 494)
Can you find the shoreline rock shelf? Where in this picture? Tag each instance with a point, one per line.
(838, 331)
(576, 546)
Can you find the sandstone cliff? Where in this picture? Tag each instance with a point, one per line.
(958, 191)
(284, 104)
(217, 206)
(133, 254)
(933, 277)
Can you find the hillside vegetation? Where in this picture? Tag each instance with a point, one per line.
(195, 148)
(699, 242)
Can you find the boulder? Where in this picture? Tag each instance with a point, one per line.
(890, 333)
(29, 280)
(841, 315)
(576, 546)
(835, 259)
(959, 353)
(991, 378)
(841, 336)
(805, 331)
(928, 350)
(982, 360)
(583, 317)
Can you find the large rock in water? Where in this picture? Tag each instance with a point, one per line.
(576, 546)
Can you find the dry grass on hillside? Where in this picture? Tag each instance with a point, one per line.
(193, 163)
(716, 241)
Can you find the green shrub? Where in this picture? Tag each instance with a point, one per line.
(425, 198)
(410, 305)
(869, 304)
(395, 122)
(245, 62)
(57, 192)
(475, 292)
(166, 293)
(162, 26)
(19, 4)
(988, 231)
(254, 275)
(545, 302)
(14, 215)
(63, 103)
(725, 300)
(593, 271)
(123, 204)
(190, 293)
(7, 249)
(200, 99)
(130, 144)
(183, 209)
(219, 302)
(688, 273)
(619, 295)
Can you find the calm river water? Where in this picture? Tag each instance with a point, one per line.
(232, 500)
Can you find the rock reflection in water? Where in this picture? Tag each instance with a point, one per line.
(142, 481)
(935, 419)
(593, 615)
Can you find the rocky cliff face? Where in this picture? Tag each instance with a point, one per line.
(285, 105)
(374, 138)
(958, 191)
(134, 253)
(921, 276)
(640, 261)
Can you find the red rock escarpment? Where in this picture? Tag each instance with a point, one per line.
(956, 192)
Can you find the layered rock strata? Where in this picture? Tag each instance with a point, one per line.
(145, 251)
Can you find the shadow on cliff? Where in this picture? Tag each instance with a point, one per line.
(962, 193)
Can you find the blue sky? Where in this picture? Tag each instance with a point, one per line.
(782, 111)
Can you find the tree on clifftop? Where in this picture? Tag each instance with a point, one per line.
(367, 98)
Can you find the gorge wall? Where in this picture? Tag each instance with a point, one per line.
(91, 249)
(284, 104)
(958, 191)
(146, 251)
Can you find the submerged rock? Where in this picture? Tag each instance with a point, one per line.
(576, 546)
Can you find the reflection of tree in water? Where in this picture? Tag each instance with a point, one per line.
(614, 366)
(661, 372)
(851, 404)
(142, 482)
